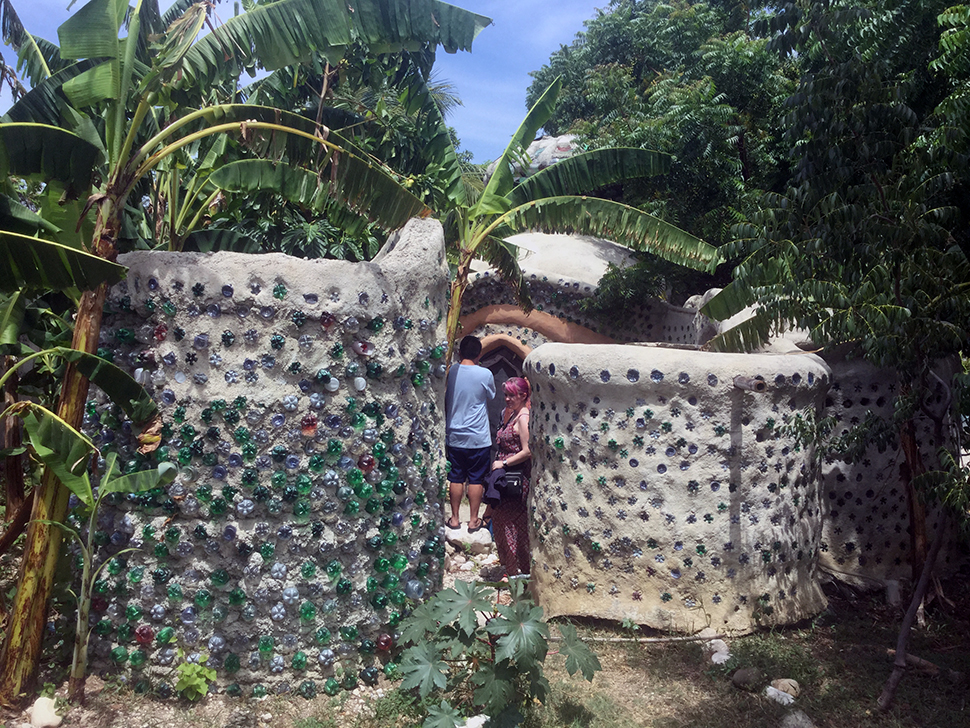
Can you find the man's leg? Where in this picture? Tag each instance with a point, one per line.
(476, 491)
(455, 493)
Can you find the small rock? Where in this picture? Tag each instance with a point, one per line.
(476, 721)
(266, 717)
(747, 678)
(718, 651)
(787, 685)
(241, 718)
(796, 719)
(43, 715)
(708, 633)
(467, 566)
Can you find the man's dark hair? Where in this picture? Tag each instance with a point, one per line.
(470, 347)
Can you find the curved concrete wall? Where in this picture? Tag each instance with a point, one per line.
(667, 495)
(303, 400)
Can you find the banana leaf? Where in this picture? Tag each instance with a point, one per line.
(585, 173)
(30, 150)
(289, 32)
(613, 221)
(134, 482)
(35, 55)
(360, 186)
(114, 382)
(19, 218)
(61, 448)
(12, 311)
(35, 263)
(502, 182)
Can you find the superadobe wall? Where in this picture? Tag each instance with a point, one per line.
(667, 495)
(303, 402)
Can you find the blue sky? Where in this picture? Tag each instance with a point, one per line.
(491, 80)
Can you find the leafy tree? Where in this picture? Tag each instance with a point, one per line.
(120, 106)
(691, 80)
(867, 245)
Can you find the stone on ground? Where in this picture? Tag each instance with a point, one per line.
(796, 719)
(43, 715)
(747, 678)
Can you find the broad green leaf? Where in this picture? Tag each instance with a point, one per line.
(509, 717)
(422, 668)
(11, 452)
(35, 263)
(92, 31)
(501, 182)
(523, 633)
(496, 686)
(491, 204)
(18, 218)
(43, 103)
(99, 83)
(616, 222)
(48, 152)
(423, 621)
(443, 716)
(73, 230)
(728, 301)
(61, 448)
(590, 171)
(463, 604)
(141, 481)
(12, 309)
(579, 657)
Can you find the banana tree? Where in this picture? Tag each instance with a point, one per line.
(131, 86)
(553, 201)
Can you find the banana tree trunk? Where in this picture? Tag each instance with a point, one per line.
(25, 631)
(458, 287)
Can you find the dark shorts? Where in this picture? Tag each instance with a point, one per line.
(469, 465)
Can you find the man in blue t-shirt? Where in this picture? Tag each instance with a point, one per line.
(468, 438)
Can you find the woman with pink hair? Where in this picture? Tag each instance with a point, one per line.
(510, 520)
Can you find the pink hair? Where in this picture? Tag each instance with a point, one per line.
(517, 386)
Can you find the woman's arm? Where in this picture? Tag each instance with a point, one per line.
(522, 428)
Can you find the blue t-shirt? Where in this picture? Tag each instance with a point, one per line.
(470, 387)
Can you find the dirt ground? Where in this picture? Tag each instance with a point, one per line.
(839, 660)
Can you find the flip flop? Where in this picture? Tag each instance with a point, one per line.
(453, 528)
(472, 529)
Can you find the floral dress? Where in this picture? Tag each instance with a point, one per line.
(510, 520)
